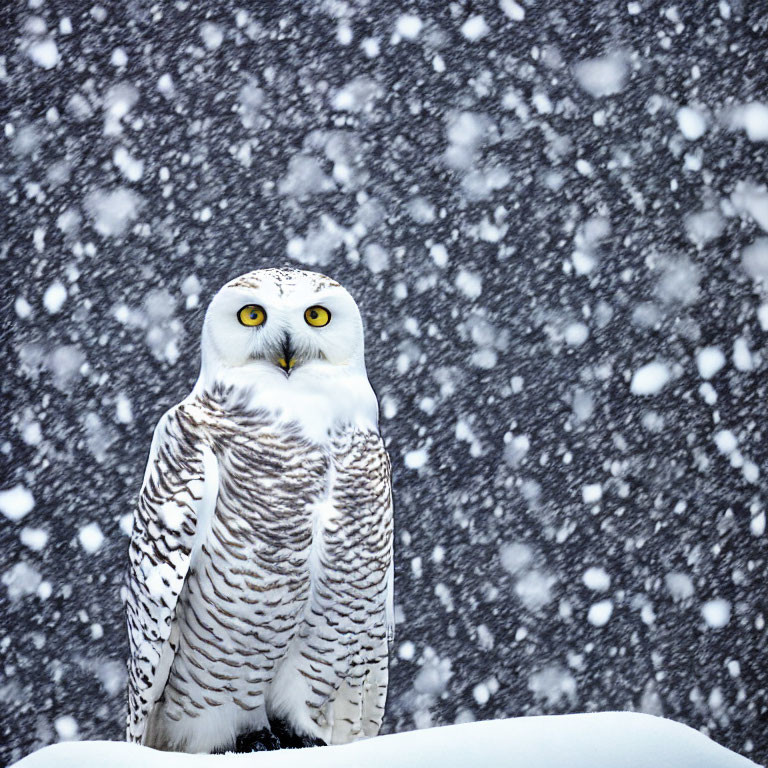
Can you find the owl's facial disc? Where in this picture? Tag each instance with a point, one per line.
(290, 320)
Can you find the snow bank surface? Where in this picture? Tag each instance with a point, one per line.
(600, 740)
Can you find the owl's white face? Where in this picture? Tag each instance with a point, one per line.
(283, 322)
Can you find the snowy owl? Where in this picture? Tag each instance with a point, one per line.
(259, 593)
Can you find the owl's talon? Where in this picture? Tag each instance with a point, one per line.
(289, 739)
(262, 740)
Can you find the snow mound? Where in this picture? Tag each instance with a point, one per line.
(599, 740)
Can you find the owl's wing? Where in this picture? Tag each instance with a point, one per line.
(390, 598)
(176, 502)
(362, 495)
(362, 491)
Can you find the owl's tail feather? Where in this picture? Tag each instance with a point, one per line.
(375, 696)
(154, 734)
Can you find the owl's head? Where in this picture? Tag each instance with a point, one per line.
(283, 321)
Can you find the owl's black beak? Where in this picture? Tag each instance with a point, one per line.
(287, 361)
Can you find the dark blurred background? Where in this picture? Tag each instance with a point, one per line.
(531, 201)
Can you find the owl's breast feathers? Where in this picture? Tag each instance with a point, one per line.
(260, 578)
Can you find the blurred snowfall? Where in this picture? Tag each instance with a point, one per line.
(554, 216)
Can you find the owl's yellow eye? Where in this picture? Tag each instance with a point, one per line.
(252, 315)
(317, 316)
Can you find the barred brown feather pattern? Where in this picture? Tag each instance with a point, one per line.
(341, 650)
(282, 612)
(159, 553)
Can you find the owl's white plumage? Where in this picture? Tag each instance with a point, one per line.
(260, 586)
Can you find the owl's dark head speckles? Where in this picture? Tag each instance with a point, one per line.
(283, 278)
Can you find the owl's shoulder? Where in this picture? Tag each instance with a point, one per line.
(219, 405)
